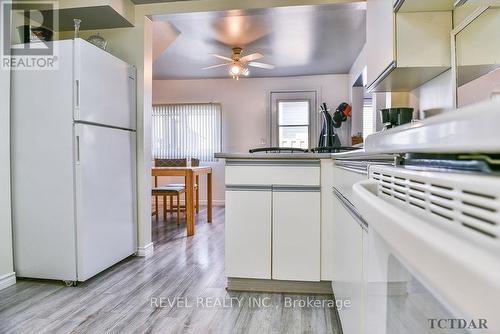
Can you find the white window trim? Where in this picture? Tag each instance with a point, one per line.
(314, 118)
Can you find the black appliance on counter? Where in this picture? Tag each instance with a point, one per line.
(392, 117)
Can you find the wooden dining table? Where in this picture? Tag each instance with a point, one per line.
(190, 174)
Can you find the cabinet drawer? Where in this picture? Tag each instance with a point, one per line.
(273, 172)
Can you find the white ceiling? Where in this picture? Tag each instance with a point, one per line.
(300, 40)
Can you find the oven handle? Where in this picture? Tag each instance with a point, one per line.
(436, 256)
(351, 209)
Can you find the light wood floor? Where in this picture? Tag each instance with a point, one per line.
(119, 299)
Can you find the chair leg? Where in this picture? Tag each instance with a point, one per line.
(197, 203)
(171, 210)
(178, 210)
(156, 206)
(165, 208)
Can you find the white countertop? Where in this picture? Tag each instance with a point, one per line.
(471, 129)
(358, 154)
(261, 156)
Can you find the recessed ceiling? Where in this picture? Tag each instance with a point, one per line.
(300, 40)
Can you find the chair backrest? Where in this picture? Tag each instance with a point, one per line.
(176, 162)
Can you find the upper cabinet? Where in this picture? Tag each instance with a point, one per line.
(477, 51)
(94, 15)
(406, 6)
(408, 43)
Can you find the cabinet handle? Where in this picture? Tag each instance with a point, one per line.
(381, 77)
(245, 187)
(351, 209)
(297, 189)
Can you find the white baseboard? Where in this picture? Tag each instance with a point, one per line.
(215, 202)
(146, 250)
(203, 202)
(7, 280)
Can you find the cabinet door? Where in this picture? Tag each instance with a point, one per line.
(248, 231)
(348, 268)
(296, 234)
(379, 37)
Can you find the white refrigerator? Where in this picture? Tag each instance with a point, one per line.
(73, 165)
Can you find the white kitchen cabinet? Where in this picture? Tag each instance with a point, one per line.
(273, 219)
(248, 232)
(481, 34)
(348, 232)
(296, 234)
(348, 268)
(406, 49)
(380, 39)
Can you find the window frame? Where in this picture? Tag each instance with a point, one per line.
(311, 95)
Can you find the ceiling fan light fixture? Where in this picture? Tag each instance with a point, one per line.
(238, 64)
(235, 70)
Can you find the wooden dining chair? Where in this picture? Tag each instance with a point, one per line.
(180, 163)
(168, 192)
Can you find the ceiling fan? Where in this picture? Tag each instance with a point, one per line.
(238, 63)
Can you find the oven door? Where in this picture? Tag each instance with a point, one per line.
(429, 266)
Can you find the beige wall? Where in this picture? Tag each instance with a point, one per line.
(245, 107)
(483, 88)
(437, 93)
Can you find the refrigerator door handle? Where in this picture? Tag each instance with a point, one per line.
(77, 150)
(77, 94)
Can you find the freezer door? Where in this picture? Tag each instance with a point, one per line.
(105, 197)
(104, 87)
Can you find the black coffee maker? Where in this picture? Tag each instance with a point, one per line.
(327, 137)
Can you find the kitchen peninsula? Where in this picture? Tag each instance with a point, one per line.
(273, 219)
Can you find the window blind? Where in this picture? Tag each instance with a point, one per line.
(187, 131)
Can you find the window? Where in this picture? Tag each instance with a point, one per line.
(293, 123)
(187, 130)
(368, 117)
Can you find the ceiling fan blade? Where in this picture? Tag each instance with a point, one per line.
(261, 65)
(214, 66)
(221, 57)
(251, 57)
